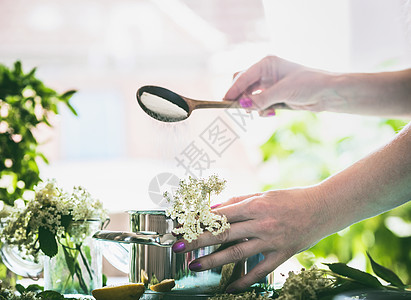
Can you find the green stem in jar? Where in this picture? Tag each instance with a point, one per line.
(71, 252)
(85, 262)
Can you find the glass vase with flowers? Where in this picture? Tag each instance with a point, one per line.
(58, 226)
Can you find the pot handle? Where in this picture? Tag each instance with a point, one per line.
(143, 238)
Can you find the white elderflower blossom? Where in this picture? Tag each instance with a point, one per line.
(47, 210)
(243, 296)
(191, 207)
(305, 284)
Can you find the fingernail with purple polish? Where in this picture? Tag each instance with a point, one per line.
(215, 206)
(179, 247)
(195, 266)
(245, 102)
(271, 113)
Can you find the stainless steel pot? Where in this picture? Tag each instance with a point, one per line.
(150, 253)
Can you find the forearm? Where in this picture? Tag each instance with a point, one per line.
(375, 184)
(379, 94)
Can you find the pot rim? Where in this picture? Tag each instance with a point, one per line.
(147, 212)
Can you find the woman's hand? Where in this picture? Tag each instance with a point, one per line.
(277, 224)
(276, 83)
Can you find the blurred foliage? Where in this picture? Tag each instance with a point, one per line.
(25, 103)
(306, 148)
(7, 277)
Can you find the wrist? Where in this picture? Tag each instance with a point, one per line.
(319, 199)
(367, 93)
(331, 218)
(336, 97)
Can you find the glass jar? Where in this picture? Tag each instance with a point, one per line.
(77, 267)
(14, 263)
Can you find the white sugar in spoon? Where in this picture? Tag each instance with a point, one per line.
(167, 106)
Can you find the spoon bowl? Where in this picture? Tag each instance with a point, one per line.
(167, 106)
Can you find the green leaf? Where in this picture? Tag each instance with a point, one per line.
(46, 121)
(104, 280)
(355, 274)
(386, 274)
(44, 158)
(73, 110)
(48, 243)
(66, 221)
(34, 288)
(345, 286)
(31, 73)
(50, 295)
(20, 288)
(67, 95)
(17, 68)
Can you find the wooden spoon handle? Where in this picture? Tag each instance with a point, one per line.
(194, 104)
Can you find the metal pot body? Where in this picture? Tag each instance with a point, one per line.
(162, 262)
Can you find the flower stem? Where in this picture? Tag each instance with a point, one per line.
(85, 262)
(71, 253)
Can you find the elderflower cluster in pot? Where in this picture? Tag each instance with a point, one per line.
(191, 207)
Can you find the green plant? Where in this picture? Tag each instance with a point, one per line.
(307, 148)
(25, 103)
(325, 284)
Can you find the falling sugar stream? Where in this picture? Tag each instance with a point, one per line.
(172, 139)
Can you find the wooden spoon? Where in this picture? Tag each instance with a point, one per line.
(167, 106)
